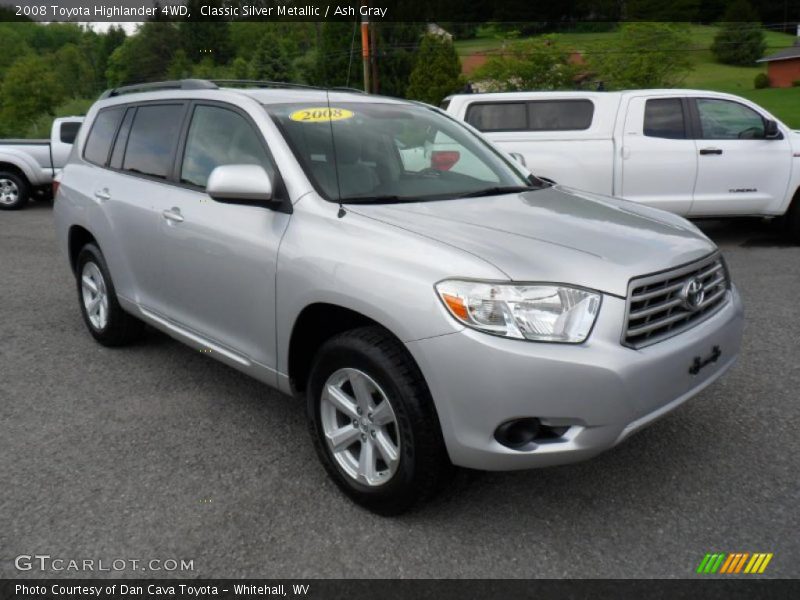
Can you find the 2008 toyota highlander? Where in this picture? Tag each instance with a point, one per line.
(436, 307)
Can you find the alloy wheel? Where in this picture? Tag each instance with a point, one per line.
(360, 427)
(95, 295)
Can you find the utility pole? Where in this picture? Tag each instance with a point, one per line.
(373, 44)
(365, 47)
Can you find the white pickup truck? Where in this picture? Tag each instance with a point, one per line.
(27, 167)
(695, 153)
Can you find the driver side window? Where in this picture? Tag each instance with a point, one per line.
(218, 136)
(727, 120)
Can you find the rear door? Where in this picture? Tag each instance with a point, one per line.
(135, 190)
(740, 171)
(659, 159)
(218, 261)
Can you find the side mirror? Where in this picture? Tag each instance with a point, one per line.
(771, 130)
(240, 184)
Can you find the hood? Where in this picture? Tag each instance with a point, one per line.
(556, 234)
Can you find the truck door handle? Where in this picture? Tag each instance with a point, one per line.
(173, 214)
(102, 195)
(710, 151)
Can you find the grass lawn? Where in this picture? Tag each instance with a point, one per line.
(706, 74)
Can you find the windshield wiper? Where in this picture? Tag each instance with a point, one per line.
(387, 199)
(496, 191)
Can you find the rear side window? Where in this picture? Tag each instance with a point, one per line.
(152, 140)
(664, 118)
(69, 131)
(560, 115)
(102, 135)
(122, 139)
(536, 115)
(505, 116)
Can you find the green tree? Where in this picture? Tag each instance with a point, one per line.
(12, 46)
(180, 67)
(533, 64)
(145, 56)
(740, 40)
(74, 71)
(270, 61)
(29, 89)
(647, 55)
(198, 37)
(71, 108)
(437, 71)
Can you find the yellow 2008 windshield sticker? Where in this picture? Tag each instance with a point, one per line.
(320, 114)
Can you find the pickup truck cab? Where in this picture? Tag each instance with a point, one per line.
(27, 167)
(429, 316)
(694, 153)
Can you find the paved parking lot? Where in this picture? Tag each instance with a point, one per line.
(156, 451)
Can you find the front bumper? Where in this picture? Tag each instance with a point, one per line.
(601, 390)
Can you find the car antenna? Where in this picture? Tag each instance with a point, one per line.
(342, 212)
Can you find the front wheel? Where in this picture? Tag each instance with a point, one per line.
(14, 191)
(373, 422)
(792, 220)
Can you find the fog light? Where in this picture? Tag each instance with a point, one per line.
(517, 433)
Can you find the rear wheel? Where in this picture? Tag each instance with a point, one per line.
(104, 317)
(373, 422)
(14, 191)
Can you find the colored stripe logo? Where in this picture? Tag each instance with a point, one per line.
(734, 563)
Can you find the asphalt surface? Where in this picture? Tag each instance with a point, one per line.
(158, 452)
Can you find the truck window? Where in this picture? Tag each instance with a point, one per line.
(560, 115)
(727, 120)
(151, 141)
(69, 130)
(101, 135)
(122, 138)
(218, 136)
(664, 118)
(498, 116)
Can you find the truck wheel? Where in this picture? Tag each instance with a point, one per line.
(104, 317)
(792, 219)
(14, 191)
(373, 422)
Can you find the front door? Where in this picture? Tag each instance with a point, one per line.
(739, 170)
(218, 261)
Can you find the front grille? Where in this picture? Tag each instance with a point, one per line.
(657, 304)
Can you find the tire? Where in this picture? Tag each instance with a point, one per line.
(104, 317)
(371, 357)
(14, 191)
(792, 220)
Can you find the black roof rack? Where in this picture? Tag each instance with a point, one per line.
(214, 84)
(178, 84)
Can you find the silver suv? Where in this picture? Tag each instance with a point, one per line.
(435, 303)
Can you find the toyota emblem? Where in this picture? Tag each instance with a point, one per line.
(693, 293)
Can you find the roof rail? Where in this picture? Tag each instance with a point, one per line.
(214, 84)
(178, 84)
(263, 83)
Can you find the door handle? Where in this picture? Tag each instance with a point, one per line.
(102, 195)
(710, 151)
(173, 214)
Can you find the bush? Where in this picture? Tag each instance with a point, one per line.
(796, 83)
(646, 55)
(540, 63)
(740, 40)
(437, 71)
(761, 81)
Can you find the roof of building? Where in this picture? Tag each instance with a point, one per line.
(785, 54)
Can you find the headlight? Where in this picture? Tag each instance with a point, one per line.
(542, 312)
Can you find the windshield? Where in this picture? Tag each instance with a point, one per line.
(381, 152)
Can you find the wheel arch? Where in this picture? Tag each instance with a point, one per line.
(77, 238)
(316, 324)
